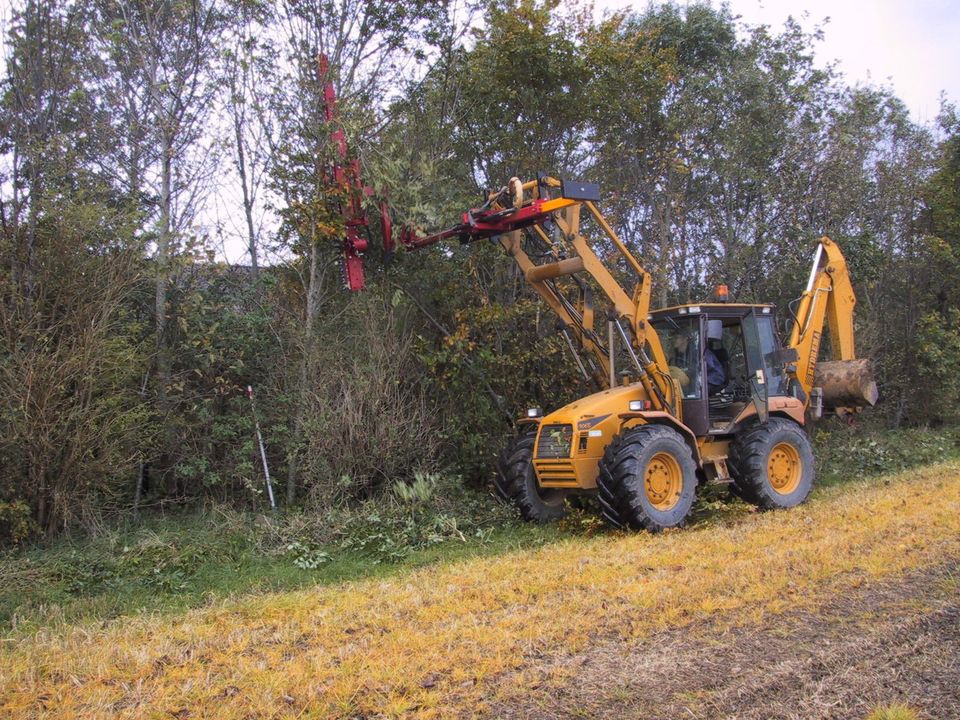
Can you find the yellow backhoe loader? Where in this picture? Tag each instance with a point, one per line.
(692, 394)
(707, 392)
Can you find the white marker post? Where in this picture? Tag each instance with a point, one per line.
(263, 451)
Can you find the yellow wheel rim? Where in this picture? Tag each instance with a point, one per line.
(784, 468)
(663, 481)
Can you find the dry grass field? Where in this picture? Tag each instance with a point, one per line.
(841, 605)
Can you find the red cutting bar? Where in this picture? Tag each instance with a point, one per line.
(478, 225)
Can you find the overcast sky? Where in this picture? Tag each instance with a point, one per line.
(911, 45)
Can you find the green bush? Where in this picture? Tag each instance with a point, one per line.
(365, 415)
(427, 511)
(938, 361)
(225, 339)
(16, 521)
(849, 452)
(501, 356)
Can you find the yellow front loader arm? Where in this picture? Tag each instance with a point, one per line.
(654, 372)
(551, 210)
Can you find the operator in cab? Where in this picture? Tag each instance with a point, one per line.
(716, 373)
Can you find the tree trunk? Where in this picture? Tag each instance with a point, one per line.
(163, 269)
(306, 363)
(247, 194)
(662, 282)
(162, 279)
(30, 261)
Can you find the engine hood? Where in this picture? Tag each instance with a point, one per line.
(610, 402)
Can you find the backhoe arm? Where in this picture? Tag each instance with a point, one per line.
(829, 298)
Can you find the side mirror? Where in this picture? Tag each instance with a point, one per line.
(782, 356)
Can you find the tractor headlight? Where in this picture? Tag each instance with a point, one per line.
(534, 412)
(639, 405)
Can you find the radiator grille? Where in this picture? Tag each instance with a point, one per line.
(556, 472)
(555, 441)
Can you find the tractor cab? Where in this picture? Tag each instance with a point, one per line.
(723, 356)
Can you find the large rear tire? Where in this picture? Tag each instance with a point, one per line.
(772, 464)
(516, 482)
(648, 479)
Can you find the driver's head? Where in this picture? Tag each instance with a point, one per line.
(714, 329)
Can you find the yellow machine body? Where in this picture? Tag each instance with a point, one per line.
(653, 367)
(571, 440)
(592, 421)
(680, 390)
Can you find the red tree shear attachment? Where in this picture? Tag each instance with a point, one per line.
(503, 211)
(345, 174)
(506, 210)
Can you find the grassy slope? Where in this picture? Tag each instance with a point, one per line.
(434, 639)
(173, 564)
(169, 564)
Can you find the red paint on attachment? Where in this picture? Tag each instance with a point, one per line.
(346, 176)
(353, 270)
(386, 228)
(480, 224)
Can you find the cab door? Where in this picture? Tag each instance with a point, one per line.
(757, 378)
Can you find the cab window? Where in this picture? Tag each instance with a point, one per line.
(680, 338)
(776, 379)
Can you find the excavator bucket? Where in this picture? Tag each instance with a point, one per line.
(846, 384)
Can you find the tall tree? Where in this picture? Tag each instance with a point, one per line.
(67, 422)
(248, 66)
(942, 199)
(162, 51)
(44, 99)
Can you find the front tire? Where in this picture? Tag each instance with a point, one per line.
(516, 482)
(648, 479)
(772, 464)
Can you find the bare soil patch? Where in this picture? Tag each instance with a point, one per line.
(892, 641)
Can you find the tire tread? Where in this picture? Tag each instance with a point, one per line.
(510, 480)
(619, 501)
(748, 457)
